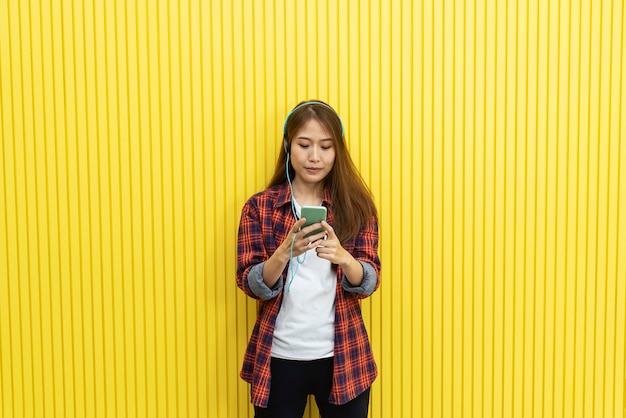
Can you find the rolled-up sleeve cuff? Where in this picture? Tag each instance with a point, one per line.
(258, 286)
(368, 284)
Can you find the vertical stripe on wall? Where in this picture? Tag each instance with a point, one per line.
(491, 134)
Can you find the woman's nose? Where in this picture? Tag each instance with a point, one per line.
(314, 154)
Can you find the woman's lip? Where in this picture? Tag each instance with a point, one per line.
(315, 170)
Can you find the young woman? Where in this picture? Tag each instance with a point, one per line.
(309, 336)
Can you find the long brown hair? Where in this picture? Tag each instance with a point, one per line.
(352, 202)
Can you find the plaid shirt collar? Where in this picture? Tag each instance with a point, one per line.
(284, 196)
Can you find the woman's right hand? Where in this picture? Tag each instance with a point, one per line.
(276, 263)
(299, 247)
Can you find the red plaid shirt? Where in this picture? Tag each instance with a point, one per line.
(266, 219)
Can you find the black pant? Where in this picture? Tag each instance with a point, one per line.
(293, 381)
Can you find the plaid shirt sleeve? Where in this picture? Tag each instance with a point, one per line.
(251, 251)
(249, 247)
(365, 251)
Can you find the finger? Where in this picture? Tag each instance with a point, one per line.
(299, 223)
(329, 229)
(315, 243)
(313, 227)
(316, 238)
(323, 252)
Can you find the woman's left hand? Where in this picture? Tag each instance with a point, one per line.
(331, 249)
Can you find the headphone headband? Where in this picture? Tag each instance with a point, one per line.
(312, 102)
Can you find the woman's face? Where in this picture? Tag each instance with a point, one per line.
(312, 152)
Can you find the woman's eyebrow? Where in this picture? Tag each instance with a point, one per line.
(309, 139)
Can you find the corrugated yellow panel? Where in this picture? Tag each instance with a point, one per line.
(491, 134)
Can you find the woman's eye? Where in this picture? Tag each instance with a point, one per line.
(326, 148)
(303, 146)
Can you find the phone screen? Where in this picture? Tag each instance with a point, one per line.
(313, 215)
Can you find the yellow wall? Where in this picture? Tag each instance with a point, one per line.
(492, 134)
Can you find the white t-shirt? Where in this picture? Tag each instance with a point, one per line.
(305, 327)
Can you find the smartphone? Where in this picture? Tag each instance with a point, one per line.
(313, 215)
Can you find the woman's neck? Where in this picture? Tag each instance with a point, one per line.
(308, 194)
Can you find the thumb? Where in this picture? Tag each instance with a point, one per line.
(299, 224)
(329, 229)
